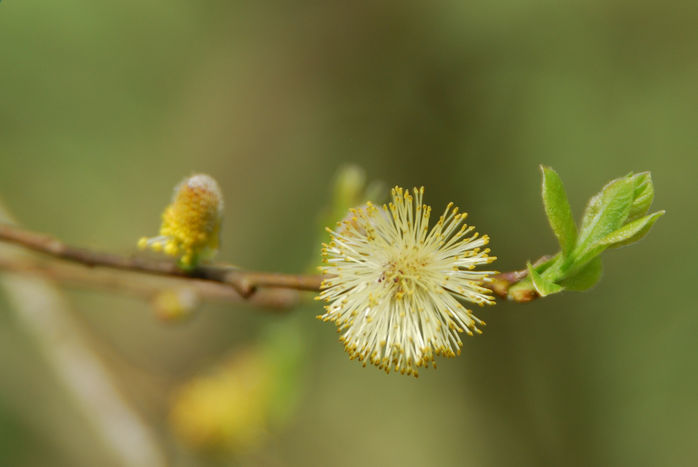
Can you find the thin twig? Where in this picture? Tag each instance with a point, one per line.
(245, 283)
(500, 283)
(43, 313)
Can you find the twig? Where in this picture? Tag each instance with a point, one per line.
(500, 283)
(245, 283)
(43, 312)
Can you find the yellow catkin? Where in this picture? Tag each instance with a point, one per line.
(191, 223)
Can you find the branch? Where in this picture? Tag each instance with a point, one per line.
(44, 314)
(502, 282)
(245, 283)
(212, 280)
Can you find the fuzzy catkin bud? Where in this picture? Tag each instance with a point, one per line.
(191, 223)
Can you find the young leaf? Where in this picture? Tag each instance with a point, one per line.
(586, 278)
(642, 197)
(590, 213)
(542, 266)
(543, 286)
(605, 213)
(557, 208)
(631, 232)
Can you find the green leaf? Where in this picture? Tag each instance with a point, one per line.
(545, 265)
(642, 197)
(631, 232)
(543, 286)
(586, 278)
(557, 208)
(605, 213)
(590, 213)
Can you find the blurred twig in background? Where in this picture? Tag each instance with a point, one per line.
(44, 314)
(78, 276)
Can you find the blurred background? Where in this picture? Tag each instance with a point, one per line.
(104, 107)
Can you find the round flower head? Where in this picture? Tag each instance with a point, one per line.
(191, 223)
(394, 285)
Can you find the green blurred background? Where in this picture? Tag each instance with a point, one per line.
(105, 106)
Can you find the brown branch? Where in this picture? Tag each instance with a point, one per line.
(211, 280)
(245, 283)
(502, 282)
